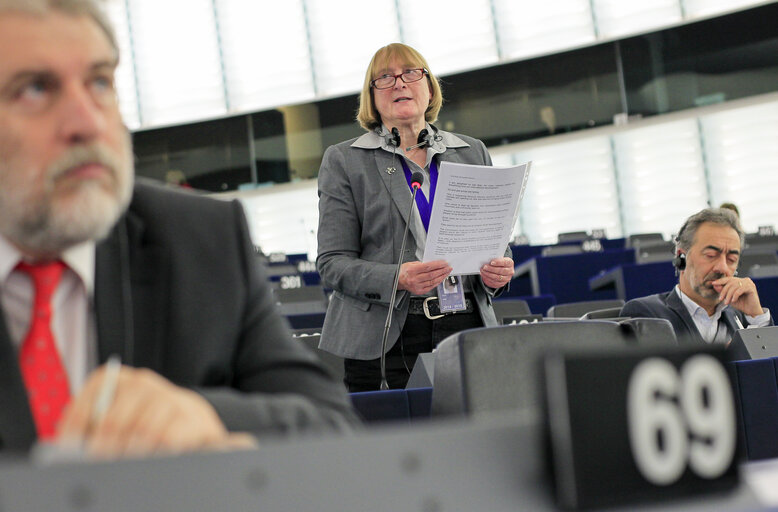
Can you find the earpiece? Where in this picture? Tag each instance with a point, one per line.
(679, 262)
(394, 138)
(423, 139)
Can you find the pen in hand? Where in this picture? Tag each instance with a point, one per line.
(72, 450)
(106, 392)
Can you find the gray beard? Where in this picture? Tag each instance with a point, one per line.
(49, 233)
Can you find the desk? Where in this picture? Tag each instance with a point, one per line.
(632, 280)
(755, 384)
(496, 465)
(567, 276)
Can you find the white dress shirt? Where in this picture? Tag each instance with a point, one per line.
(73, 321)
(709, 327)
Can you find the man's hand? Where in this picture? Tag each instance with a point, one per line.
(419, 278)
(148, 415)
(739, 293)
(497, 273)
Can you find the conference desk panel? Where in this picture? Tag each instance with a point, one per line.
(755, 385)
(567, 276)
(493, 465)
(496, 464)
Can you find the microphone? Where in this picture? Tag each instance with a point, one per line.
(421, 141)
(417, 179)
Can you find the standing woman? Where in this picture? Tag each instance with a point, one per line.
(364, 197)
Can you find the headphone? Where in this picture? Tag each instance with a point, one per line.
(679, 262)
(425, 139)
(393, 138)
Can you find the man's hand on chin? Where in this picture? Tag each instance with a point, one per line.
(740, 293)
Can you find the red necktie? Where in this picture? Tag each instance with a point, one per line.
(42, 369)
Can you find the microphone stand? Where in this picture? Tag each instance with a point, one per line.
(415, 183)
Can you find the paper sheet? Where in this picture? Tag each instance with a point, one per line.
(475, 209)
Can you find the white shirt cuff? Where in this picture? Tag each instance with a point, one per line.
(759, 320)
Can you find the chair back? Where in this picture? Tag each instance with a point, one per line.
(496, 369)
(763, 271)
(577, 309)
(604, 314)
(753, 260)
(659, 251)
(644, 239)
(510, 307)
(573, 236)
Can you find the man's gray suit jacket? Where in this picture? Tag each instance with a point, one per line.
(362, 209)
(669, 306)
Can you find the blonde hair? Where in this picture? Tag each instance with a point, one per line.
(367, 115)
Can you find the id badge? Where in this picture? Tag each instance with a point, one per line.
(451, 295)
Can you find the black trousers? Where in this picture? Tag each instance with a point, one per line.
(419, 334)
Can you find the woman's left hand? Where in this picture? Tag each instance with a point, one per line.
(497, 273)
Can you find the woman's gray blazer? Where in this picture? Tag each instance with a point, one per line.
(362, 210)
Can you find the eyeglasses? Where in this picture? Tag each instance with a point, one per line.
(408, 76)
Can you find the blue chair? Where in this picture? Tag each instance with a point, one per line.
(567, 276)
(756, 388)
(393, 405)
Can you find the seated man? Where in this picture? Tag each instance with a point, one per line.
(710, 302)
(92, 266)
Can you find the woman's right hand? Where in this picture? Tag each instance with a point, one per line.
(419, 278)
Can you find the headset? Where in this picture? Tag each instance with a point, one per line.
(425, 139)
(393, 138)
(679, 261)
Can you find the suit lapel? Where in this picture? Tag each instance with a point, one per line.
(728, 315)
(397, 186)
(17, 430)
(674, 302)
(131, 283)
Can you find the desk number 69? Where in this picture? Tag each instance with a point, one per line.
(681, 417)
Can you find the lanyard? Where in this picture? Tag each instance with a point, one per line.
(424, 206)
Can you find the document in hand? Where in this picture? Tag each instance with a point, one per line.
(475, 209)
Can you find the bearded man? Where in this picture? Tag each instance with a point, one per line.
(94, 266)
